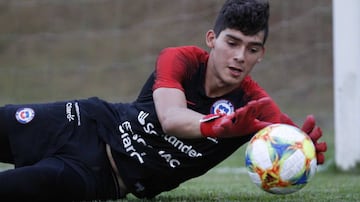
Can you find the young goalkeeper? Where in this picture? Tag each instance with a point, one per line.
(194, 111)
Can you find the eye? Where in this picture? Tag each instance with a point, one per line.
(231, 43)
(254, 49)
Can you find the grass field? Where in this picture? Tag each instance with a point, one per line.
(326, 186)
(230, 182)
(236, 186)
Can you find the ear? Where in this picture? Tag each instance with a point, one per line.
(210, 38)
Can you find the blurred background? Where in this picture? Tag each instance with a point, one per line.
(54, 50)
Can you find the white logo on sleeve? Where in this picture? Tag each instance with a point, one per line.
(24, 115)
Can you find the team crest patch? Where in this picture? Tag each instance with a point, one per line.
(24, 115)
(222, 107)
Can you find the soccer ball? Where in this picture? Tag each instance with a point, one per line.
(280, 159)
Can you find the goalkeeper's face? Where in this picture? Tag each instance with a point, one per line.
(233, 54)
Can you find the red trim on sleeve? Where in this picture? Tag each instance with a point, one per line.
(176, 64)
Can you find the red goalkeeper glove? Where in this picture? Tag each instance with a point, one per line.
(314, 132)
(310, 128)
(240, 123)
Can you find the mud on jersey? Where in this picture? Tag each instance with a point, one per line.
(151, 161)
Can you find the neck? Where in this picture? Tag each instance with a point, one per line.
(215, 87)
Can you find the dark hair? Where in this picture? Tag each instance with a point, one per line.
(248, 16)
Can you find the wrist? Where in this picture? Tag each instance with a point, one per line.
(207, 125)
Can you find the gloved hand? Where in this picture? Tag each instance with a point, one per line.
(240, 123)
(315, 132)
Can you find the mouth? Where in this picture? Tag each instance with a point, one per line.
(236, 71)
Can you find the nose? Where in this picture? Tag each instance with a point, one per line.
(239, 54)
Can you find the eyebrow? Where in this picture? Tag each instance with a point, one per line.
(255, 43)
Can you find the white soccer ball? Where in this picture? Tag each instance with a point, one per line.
(281, 159)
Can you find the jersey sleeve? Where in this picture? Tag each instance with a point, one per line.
(176, 64)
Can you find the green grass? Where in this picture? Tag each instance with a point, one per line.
(238, 187)
(329, 184)
(215, 186)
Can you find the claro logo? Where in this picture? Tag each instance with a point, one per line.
(127, 142)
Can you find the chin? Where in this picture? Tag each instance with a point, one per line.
(235, 81)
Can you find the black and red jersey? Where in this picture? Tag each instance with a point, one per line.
(150, 161)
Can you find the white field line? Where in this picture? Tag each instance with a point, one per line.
(5, 166)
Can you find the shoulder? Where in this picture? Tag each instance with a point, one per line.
(189, 52)
(184, 49)
(176, 64)
(252, 90)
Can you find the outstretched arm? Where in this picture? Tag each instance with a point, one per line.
(173, 114)
(176, 119)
